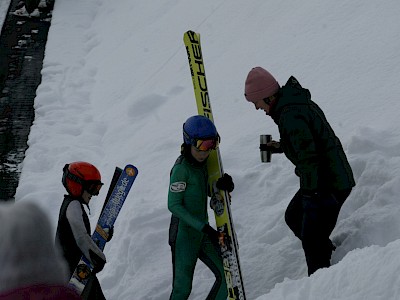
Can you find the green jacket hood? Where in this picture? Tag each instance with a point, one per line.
(292, 93)
(309, 142)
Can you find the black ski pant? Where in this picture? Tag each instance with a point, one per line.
(312, 221)
(93, 290)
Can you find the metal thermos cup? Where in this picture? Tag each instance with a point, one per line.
(265, 155)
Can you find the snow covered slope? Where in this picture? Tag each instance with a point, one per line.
(116, 89)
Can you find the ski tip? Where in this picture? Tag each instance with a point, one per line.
(190, 34)
(131, 170)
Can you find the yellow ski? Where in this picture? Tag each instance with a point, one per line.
(222, 211)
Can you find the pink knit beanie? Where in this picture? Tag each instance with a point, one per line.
(260, 84)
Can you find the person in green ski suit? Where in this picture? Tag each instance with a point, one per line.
(309, 142)
(190, 235)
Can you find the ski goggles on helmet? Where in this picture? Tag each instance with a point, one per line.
(93, 187)
(206, 144)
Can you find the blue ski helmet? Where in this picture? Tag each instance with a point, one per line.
(199, 128)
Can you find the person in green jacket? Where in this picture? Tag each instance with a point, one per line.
(190, 235)
(309, 142)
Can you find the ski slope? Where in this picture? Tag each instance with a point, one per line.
(116, 89)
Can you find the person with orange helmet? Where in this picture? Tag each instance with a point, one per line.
(82, 180)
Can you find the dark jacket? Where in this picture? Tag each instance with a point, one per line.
(309, 142)
(65, 237)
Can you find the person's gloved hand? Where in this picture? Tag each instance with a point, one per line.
(225, 183)
(213, 234)
(273, 147)
(98, 262)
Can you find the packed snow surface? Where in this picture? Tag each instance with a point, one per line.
(116, 89)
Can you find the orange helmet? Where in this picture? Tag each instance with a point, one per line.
(80, 176)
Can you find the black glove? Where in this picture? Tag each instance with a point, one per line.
(272, 149)
(98, 262)
(225, 183)
(212, 234)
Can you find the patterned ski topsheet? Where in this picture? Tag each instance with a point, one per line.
(223, 214)
(107, 219)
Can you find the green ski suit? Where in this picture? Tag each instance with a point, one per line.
(187, 201)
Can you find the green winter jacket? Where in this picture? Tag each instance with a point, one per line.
(309, 142)
(187, 196)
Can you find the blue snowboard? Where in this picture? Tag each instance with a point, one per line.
(107, 219)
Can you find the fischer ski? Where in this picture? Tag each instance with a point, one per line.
(117, 193)
(221, 201)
